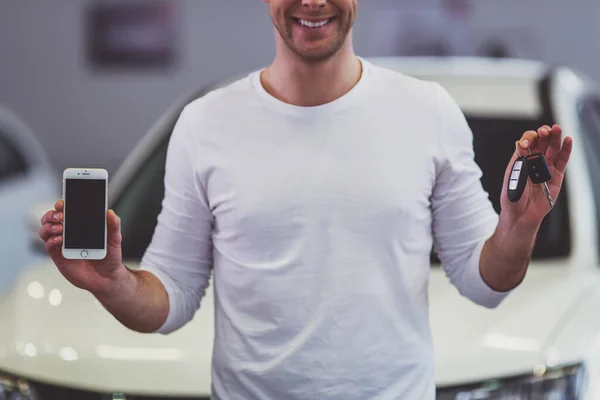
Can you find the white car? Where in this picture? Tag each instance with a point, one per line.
(542, 343)
(26, 179)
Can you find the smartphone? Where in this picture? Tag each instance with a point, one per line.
(85, 196)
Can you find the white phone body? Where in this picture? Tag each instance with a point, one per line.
(85, 196)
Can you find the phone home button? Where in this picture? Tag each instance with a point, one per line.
(84, 254)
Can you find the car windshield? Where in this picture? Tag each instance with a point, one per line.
(494, 139)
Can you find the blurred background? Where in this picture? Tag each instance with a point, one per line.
(83, 82)
(79, 109)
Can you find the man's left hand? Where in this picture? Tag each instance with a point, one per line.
(533, 205)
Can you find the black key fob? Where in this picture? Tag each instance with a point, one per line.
(538, 168)
(517, 179)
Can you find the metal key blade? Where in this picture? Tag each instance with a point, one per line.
(547, 192)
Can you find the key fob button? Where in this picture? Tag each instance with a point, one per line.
(518, 179)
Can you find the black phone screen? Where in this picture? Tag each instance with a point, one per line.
(85, 213)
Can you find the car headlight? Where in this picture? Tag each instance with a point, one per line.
(567, 383)
(15, 389)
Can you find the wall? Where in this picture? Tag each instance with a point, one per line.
(91, 119)
(565, 32)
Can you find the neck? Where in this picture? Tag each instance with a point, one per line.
(305, 83)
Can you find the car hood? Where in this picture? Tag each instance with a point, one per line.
(55, 333)
(473, 344)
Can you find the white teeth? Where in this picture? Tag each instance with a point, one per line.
(314, 24)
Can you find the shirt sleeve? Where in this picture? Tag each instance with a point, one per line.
(180, 252)
(463, 215)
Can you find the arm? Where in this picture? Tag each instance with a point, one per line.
(164, 293)
(506, 255)
(179, 257)
(463, 218)
(136, 299)
(486, 255)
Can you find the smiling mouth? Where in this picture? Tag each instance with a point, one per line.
(313, 24)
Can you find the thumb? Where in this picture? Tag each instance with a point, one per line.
(114, 229)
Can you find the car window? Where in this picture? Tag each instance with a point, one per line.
(12, 162)
(494, 140)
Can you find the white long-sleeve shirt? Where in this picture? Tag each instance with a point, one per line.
(319, 222)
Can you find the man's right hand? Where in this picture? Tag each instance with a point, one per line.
(94, 276)
(137, 299)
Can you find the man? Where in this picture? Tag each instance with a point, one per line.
(314, 190)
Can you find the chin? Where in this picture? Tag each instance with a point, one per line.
(318, 51)
(316, 55)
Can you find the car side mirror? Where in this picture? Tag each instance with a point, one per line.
(34, 224)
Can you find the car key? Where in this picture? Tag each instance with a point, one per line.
(538, 168)
(539, 173)
(517, 179)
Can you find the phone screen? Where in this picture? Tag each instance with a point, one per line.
(85, 213)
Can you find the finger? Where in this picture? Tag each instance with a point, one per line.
(52, 217)
(52, 243)
(564, 155)
(554, 147)
(48, 230)
(114, 229)
(47, 217)
(54, 249)
(544, 134)
(527, 141)
(59, 206)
